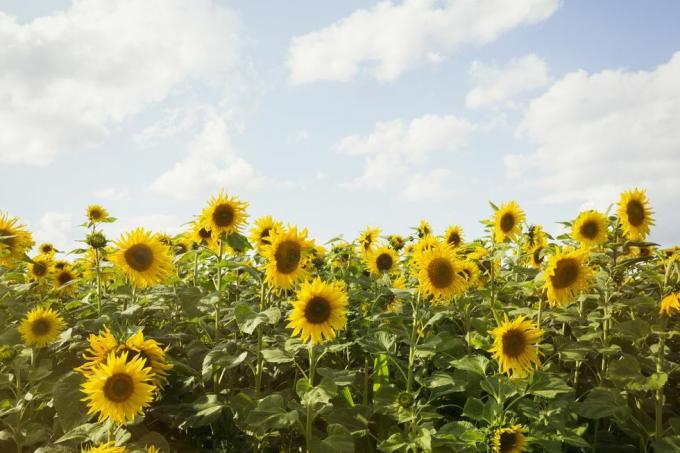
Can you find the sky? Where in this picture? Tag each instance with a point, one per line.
(337, 115)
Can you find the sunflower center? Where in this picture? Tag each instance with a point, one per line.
(40, 327)
(46, 249)
(508, 442)
(64, 277)
(223, 215)
(538, 259)
(119, 388)
(454, 239)
(514, 343)
(384, 262)
(287, 256)
(139, 257)
(590, 230)
(95, 214)
(8, 241)
(635, 212)
(566, 273)
(39, 269)
(507, 222)
(440, 272)
(264, 235)
(317, 310)
(644, 251)
(204, 234)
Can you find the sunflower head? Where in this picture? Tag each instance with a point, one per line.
(470, 273)
(319, 310)
(440, 272)
(65, 280)
(567, 276)
(41, 327)
(396, 242)
(108, 447)
(264, 227)
(535, 256)
(39, 268)
(224, 214)
(382, 260)
(536, 237)
(635, 215)
(368, 238)
(96, 213)
(142, 258)
(508, 221)
(514, 346)
(670, 304)
(152, 353)
(100, 346)
(590, 228)
(454, 236)
(15, 240)
(287, 254)
(509, 440)
(46, 249)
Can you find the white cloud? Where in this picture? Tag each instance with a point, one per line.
(67, 77)
(56, 228)
(597, 134)
(211, 164)
(434, 185)
(390, 38)
(112, 194)
(495, 85)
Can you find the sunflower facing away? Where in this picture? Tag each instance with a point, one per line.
(440, 272)
(263, 228)
(635, 215)
(454, 236)
(368, 238)
(514, 346)
(286, 256)
(396, 242)
(670, 304)
(142, 258)
(41, 327)
(508, 221)
(590, 228)
(119, 389)
(225, 214)
(382, 260)
(15, 240)
(154, 355)
(567, 276)
(108, 447)
(509, 440)
(319, 311)
(96, 213)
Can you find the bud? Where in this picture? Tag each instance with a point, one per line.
(405, 400)
(96, 240)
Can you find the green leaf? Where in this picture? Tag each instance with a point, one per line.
(603, 402)
(218, 357)
(670, 444)
(248, 319)
(338, 440)
(547, 385)
(338, 377)
(208, 409)
(238, 242)
(473, 363)
(71, 411)
(270, 414)
(276, 356)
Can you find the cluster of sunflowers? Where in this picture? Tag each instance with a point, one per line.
(410, 315)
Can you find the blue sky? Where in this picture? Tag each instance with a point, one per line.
(337, 115)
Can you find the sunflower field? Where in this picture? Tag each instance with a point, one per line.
(240, 337)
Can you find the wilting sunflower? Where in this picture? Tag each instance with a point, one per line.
(509, 440)
(567, 276)
(635, 215)
(514, 346)
(15, 240)
(590, 228)
(224, 214)
(108, 447)
(439, 272)
(41, 327)
(286, 257)
(508, 221)
(382, 260)
(101, 346)
(119, 389)
(154, 355)
(319, 311)
(263, 228)
(368, 238)
(670, 304)
(64, 280)
(39, 268)
(142, 258)
(454, 236)
(396, 242)
(46, 249)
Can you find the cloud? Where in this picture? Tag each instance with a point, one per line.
(597, 134)
(100, 62)
(433, 185)
(56, 228)
(112, 194)
(495, 85)
(390, 38)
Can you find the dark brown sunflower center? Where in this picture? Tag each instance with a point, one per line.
(590, 230)
(64, 277)
(635, 212)
(8, 241)
(264, 235)
(507, 222)
(39, 269)
(508, 442)
(384, 262)
(287, 256)
(366, 242)
(538, 259)
(96, 214)
(644, 251)
(223, 215)
(139, 257)
(46, 248)
(514, 343)
(60, 265)
(440, 273)
(119, 388)
(454, 239)
(40, 327)
(566, 273)
(204, 234)
(317, 310)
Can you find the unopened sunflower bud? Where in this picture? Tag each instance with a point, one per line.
(96, 240)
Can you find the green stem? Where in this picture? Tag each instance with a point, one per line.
(196, 268)
(366, 380)
(219, 289)
(308, 421)
(99, 281)
(540, 312)
(659, 369)
(412, 345)
(260, 361)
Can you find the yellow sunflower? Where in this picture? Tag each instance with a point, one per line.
(319, 311)
(142, 258)
(670, 304)
(46, 249)
(509, 440)
(393, 303)
(263, 228)
(119, 389)
(454, 236)
(382, 260)
(470, 272)
(201, 235)
(368, 238)
(396, 242)
(286, 257)
(535, 256)
(101, 346)
(152, 449)
(96, 213)
(567, 276)
(15, 240)
(39, 268)
(41, 327)
(108, 447)
(508, 221)
(440, 272)
(154, 355)
(224, 214)
(590, 228)
(514, 346)
(424, 229)
(426, 243)
(635, 215)
(536, 237)
(64, 280)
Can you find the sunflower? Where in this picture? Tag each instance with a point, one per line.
(119, 388)
(567, 276)
(393, 303)
(263, 228)
(642, 251)
(382, 260)
(635, 215)
(536, 256)
(62, 264)
(39, 268)
(439, 272)
(154, 355)
(590, 228)
(142, 258)
(286, 256)
(15, 240)
(96, 213)
(508, 221)
(670, 304)
(470, 272)
(152, 449)
(396, 242)
(423, 229)
(454, 236)
(224, 214)
(201, 235)
(108, 447)
(63, 279)
(319, 311)
(46, 249)
(101, 346)
(514, 346)
(426, 243)
(509, 440)
(41, 327)
(536, 237)
(367, 238)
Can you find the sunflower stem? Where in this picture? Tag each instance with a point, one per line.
(308, 421)
(659, 369)
(196, 268)
(260, 362)
(412, 345)
(219, 288)
(99, 282)
(540, 312)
